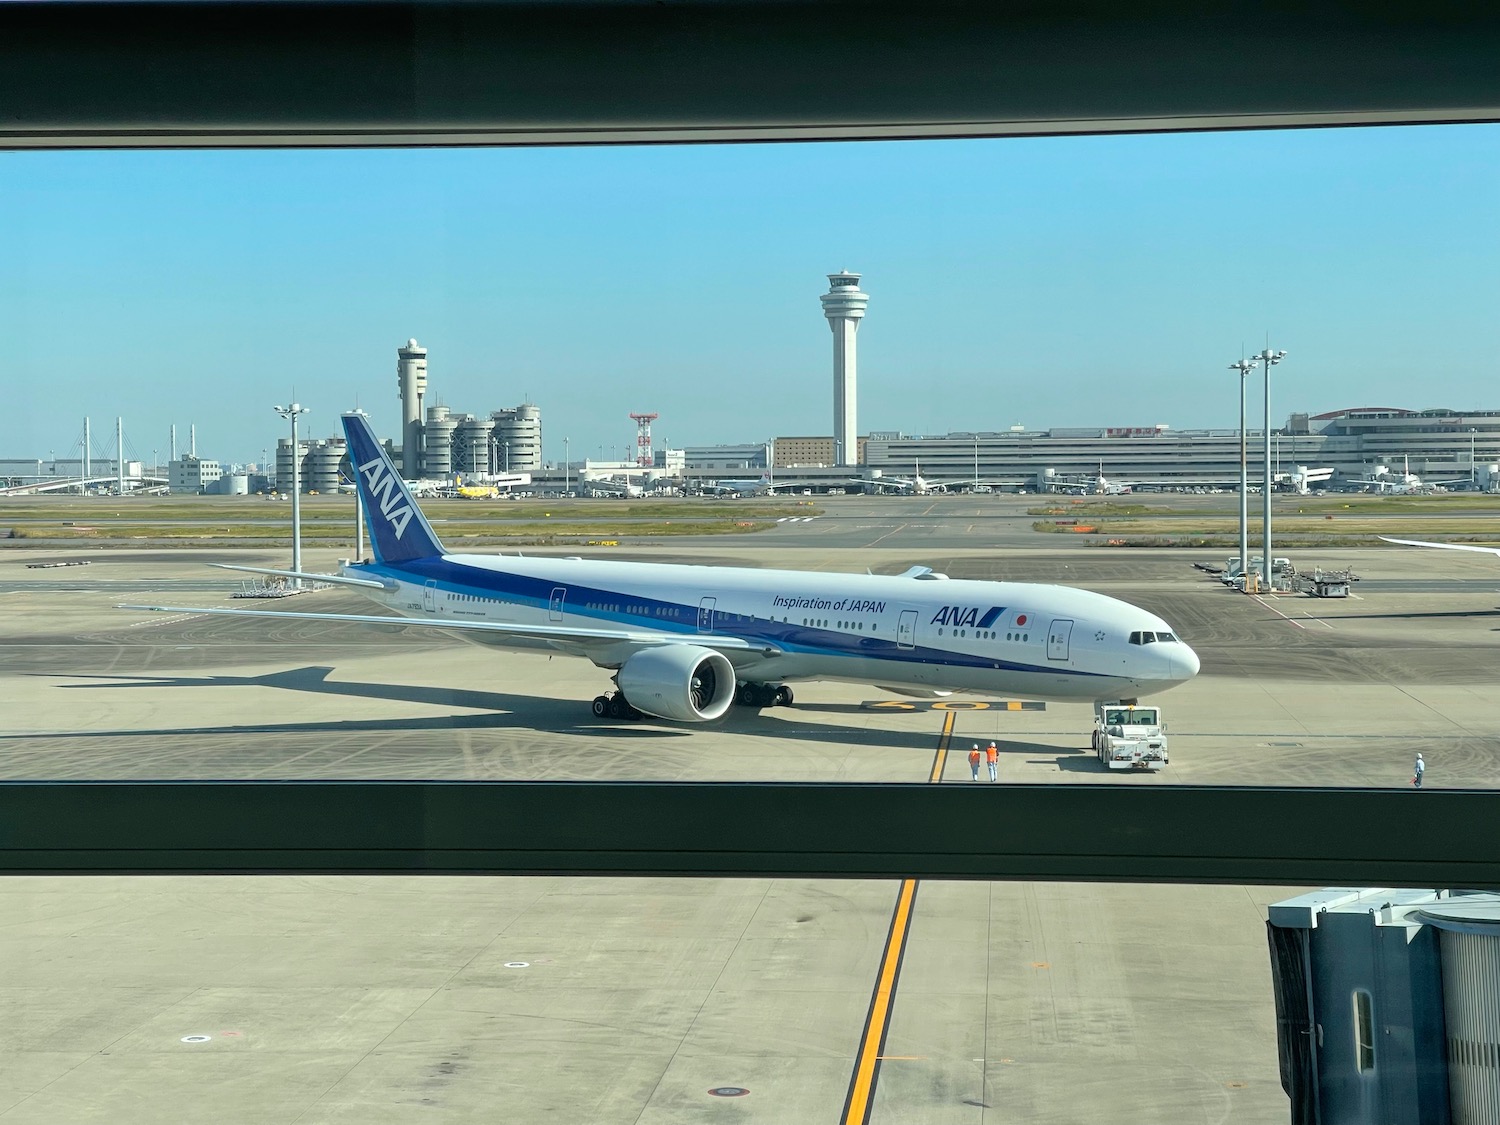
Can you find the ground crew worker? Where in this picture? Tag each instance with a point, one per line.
(1418, 770)
(992, 758)
(974, 761)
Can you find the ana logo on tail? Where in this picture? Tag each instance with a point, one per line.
(383, 489)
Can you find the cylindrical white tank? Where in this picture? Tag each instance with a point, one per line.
(521, 426)
(320, 469)
(437, 444)
(284, 463)
(238, 484)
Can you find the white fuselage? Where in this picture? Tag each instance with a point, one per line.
(1040, 641)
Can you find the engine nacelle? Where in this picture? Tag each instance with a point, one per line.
(684, 682)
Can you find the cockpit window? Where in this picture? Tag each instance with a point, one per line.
(1147, 637)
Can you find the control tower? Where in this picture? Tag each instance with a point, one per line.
(411, 378)
(844, 306)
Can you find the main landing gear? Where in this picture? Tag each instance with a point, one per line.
(763, 695)
(614, 705)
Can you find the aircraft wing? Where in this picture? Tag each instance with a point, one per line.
(561, 635)
(1444, 546)
(331, 579)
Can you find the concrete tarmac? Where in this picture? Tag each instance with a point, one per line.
(448, 999)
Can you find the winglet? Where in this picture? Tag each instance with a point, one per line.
(399, 532)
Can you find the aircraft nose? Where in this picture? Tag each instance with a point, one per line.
(1183, 662)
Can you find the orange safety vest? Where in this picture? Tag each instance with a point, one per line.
(991, 754)
(974, 757)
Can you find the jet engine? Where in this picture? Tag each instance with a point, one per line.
(683, 682)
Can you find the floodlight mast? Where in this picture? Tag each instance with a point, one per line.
(292, 412)
(1267, 359)
(1244, 367)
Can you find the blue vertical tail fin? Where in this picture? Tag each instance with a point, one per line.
(399, 532)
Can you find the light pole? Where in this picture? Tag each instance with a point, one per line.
(567, 465)
(507, 456)
(292, 412)
(1473, 475)
(1244, 367)
(976, 464)
(1267, 359)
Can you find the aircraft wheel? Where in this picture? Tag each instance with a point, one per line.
(601, 706)
(783, 696)
(613, 707)
(749, 695)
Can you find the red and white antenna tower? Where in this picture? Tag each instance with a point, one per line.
(643, 422)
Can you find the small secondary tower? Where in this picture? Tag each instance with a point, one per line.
(844, 306)
(643, 455)
(411, 380)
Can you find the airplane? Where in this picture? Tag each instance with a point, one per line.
(914, 485)
(755, 486)
(607, 486)
(1407, 482)
(1099, 486)
(685, 642)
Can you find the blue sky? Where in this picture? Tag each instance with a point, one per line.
(1045, 282)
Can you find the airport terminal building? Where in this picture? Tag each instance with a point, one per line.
(1436, 445)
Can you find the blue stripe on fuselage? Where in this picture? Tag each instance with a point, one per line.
(682, 619)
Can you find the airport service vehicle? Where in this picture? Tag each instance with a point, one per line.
(1128, 737)
(1327, 583)
(684, 642)
(1280, 564)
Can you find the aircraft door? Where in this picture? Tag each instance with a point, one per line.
(555, 606)
(906, 629)
(706, 615)
(429, 596)
(1057, 639)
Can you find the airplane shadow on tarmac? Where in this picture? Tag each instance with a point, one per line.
(501, 712)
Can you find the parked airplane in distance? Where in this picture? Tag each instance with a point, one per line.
(1383, 480)
(685, 642)
(914, 485)
(752, 486)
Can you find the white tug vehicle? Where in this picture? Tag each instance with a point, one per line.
(1128, 737)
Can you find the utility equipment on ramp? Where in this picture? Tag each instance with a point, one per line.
(1127, 737)
(1327, 583)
